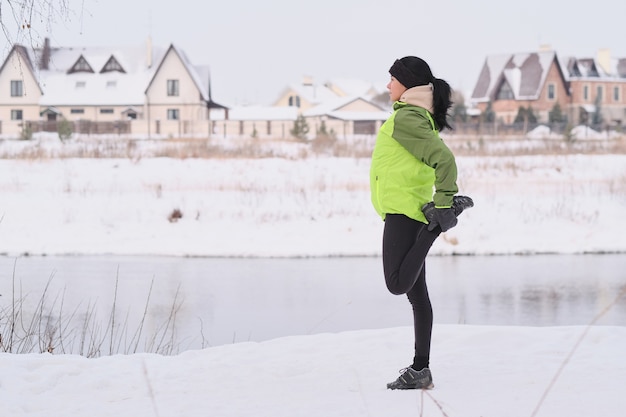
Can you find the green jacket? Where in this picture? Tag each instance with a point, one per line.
(409, 162)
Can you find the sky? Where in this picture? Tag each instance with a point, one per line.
(255, 49)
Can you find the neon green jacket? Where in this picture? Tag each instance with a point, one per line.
(409, 162)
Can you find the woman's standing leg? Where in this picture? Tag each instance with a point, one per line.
(422, 321)
(406, 243)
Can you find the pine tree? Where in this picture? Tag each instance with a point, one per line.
(300, 128)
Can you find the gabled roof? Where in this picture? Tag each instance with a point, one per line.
(346, 87)
(338, 104)
(312, 93)
(262, 113)
(191, 70)
(118, 75)
(524, 74)
(590, 68)
(24, 58)
(109, 88)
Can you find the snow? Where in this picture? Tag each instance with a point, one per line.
(314, 206)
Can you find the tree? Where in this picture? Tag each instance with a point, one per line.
(64, 129)
(488, 115)
(556, 115)
(300, 128)
(459, 109)
(597, 118)
(24, 21)
(525, 115)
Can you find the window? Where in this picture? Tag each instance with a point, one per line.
(599, 93)
(106, 111)
(17, 88)
(81, 65)
(80, 84)
(111, 84)
(294, 101)
(77, 111)
(551, 92)
(586, 92)
(172, 114)
(616, 94)
(16, 115)
(505, 92)
(112, 65)
(172, 87)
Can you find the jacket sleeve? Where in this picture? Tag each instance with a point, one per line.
(414, 132)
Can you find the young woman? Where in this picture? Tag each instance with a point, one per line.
(413, 187)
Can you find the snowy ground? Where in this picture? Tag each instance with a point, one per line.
(316, 207)
(297, 207)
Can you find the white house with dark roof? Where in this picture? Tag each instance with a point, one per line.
(142, 90)
(148, 91)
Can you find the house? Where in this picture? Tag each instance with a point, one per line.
(343, 106)
(540, 80)
(345, 116)
(143, 90)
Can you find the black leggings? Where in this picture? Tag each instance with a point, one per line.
(406, 243)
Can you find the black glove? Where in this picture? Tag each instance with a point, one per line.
(444, 218)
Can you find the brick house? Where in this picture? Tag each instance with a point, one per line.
(540, 80)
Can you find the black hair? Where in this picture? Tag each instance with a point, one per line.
(412, 71)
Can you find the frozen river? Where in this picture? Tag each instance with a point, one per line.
(197, 302)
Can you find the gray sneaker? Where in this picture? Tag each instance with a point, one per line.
(412, 379)
(459, 203)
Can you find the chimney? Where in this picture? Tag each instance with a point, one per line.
(307, 80)
(604, 60)
(44, 61)
(149, 52)
(546, 47)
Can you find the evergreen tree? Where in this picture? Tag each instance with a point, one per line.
(300, 128)
(556, 115)
(597, 116)
(525, 115)
(488, 115)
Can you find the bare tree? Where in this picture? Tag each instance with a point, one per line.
(25, 21)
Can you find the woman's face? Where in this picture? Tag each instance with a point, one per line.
(395, 89)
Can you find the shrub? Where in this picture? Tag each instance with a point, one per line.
(64, 129)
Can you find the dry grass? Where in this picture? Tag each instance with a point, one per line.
(51, 328)
(223, 148)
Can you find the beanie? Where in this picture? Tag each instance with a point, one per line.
(411, 71)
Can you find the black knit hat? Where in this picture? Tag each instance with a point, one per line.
(411, 71)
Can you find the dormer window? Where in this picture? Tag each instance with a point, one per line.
(294, 101)
(505, 92)
(81, 65)
(112, 65)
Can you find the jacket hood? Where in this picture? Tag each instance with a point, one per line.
(421, 96)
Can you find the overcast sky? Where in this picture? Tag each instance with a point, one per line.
(256, 48)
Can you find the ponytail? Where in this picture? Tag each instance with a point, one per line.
(441, 103)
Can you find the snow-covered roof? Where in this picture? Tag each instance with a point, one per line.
(263, 113)
(63, 87)
(359, 115)
(346, 87)
(313, 93)
(525, 74)
(340, 104)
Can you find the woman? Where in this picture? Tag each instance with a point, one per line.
(409, 162)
